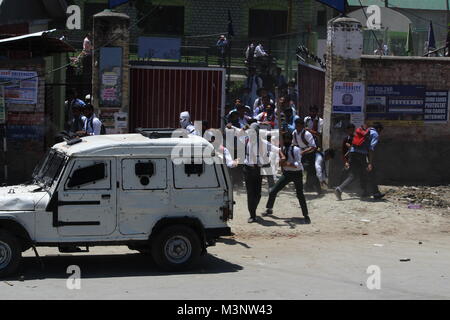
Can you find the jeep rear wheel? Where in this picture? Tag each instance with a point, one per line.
(176, 248)
(10, 253)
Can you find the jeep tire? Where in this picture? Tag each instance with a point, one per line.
(176, 248)
(10, 253)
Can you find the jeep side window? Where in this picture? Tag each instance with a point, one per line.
(195, 176)
(88, 174)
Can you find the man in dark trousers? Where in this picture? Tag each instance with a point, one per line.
(361, 162)
(291, 163)
(252, 168)
(304, 139)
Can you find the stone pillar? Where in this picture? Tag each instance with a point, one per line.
(343, 58)
(110, 67)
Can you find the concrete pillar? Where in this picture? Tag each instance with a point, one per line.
(343, 58)
(110, 67)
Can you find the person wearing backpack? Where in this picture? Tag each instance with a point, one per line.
(93, 125)
(305, 141)
(361, 156)
(291, 163)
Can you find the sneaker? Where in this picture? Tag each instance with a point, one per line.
(307, 220)
(267, 212)
(251, 220)
(338, 193)
(378, 195)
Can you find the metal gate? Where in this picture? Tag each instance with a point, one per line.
(158, 95)
(311, 88)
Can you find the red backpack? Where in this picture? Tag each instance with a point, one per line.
(361, 135)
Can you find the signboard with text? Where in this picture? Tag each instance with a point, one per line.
(21, 87)
(110, 77)
(436, 106)
(348, 97)
(395, 103)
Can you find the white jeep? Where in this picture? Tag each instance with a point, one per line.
(120, 190)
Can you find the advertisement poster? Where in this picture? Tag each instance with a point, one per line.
(110, 77)
(395, 105)
(348, 97)
(22, 87)
(107, 117)
(436, 106)
(357, 119)
(121, 119)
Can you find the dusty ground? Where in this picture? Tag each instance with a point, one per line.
(351, 217)
(278, 257)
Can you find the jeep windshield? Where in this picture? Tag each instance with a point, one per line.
(48, 170)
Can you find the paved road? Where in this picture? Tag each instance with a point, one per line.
(279, 268)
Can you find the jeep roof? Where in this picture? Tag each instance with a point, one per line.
(136, 144)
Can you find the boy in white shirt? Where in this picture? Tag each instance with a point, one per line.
(291, 162)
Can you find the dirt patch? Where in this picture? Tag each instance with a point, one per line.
(352, 217)
(428, 197)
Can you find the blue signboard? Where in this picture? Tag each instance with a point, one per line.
(339, 5)
(159, 48)
(395, 102)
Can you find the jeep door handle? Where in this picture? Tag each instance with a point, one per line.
(106, 196)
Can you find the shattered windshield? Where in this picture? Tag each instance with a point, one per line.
(49, 168)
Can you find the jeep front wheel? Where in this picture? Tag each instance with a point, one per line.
(176, 248)
(10, 253)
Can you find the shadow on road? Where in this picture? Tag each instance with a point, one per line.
(290, 222)
(112, 265)
(230, 241)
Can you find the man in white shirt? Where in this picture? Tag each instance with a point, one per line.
(291, 163)
(314, 124)
(185, 123)
(253, 161)
(93, 125)
(259, 51)
(263, 99)
(305, 140)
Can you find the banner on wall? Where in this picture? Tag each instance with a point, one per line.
(21, 86)
(110, 77)
(348, 97)
(391, 103)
